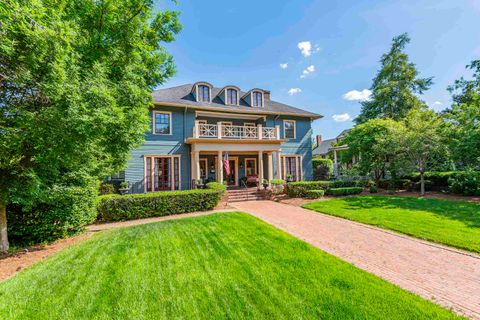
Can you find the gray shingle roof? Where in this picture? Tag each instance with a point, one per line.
(324, 146)
(181, 95)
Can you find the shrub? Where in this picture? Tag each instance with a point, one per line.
(298, 189)
(344, 191)
(322, 168)
(106, 188)
(437, 178)
(220, 187)
(60, 212)
(465, 182)
(314, 194)
(373, 189)
(136, 206)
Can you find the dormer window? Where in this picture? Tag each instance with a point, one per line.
(203, 93)
(257, 99)
(232, 96)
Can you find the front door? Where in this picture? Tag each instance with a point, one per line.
(232, 177)
(162, 174)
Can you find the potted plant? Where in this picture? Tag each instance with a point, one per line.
(265, 183)
(123, 188)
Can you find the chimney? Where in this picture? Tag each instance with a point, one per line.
(319, 140)
(266, 95)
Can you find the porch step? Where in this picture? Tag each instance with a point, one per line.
(237, 195)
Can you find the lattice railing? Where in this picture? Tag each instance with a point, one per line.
(207, 130)
(203, 130)
(268, 133)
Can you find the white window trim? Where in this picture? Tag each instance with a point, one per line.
(226, 97)
(263, 98)
(209, 92)
(205, 160)
(152, 173)
(154, 123)
(298, 164)
(294, 129)
(255, 166)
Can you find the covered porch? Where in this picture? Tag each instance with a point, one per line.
(246, 161)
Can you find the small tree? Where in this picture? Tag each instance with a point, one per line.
(395, 86)
(376, 144)
(422, 143)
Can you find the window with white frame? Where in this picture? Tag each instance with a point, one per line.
(162, 173)
(232, 96)
(292, 167)
(289, 130)
(162, 122)
(203, 93)
(257, 99)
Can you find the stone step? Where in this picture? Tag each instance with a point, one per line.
(246, 199)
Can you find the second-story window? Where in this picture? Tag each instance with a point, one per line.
(289, 129)
(231, 96)
(257, 99)
(162, 122)
(203, 93)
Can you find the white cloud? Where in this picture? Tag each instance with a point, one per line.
(283, 65)
(341, 117)
(305, 47)
(293, 91)
(356, 95)
(307, 71)
(437, 103)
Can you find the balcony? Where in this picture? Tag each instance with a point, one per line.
(222, 131)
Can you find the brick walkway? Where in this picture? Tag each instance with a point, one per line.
(446, 276)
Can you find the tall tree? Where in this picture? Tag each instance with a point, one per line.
(463, 119)
(423, 142)
(376, 144)
(76, 79)
(395, 87)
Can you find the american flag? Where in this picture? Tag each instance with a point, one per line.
(226, 164)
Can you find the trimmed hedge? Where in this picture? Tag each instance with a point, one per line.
(314, 194)
(59, 212)
(437, 178)
(299, 189)
(220, 187)
(155, 204)
(344, 191)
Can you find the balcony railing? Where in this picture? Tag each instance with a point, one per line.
(223, 131)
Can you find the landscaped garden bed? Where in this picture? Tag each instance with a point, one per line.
(453, 223)
(226, 265)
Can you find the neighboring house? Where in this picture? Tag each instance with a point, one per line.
(194, 126)
(330, 148)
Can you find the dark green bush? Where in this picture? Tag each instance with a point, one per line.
(344, 191)
(465, 182)
(373, 189)
(220, 187)
(299, 189)
(314, 194)
(106, 188)
(60, 212)
(322, 168)
(437, 178)
(136, 206)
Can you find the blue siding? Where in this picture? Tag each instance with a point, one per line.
(182, 128)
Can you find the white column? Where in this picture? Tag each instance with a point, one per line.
(219, 167)
(335, 163)
(260, 168)
(196, 130)
(270, 167)
(192, 167)
(260, 131)
(197, 165)
(277, 132)
(279, 165)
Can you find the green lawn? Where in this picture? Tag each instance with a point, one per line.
(454, 223)
(226, 265)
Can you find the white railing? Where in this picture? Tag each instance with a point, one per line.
(203, 130)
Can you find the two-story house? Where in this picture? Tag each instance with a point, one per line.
(195, 126)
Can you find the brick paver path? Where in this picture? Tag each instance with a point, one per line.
(446, 276)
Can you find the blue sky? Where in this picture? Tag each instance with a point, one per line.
(245, 42)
